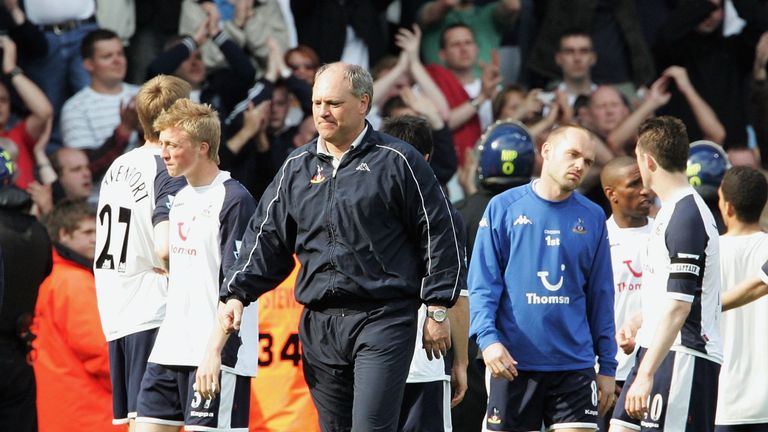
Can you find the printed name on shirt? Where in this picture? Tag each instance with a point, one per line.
(131, 176)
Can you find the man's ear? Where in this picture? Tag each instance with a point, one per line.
(88, 65)
(204, 147)
(610, 193)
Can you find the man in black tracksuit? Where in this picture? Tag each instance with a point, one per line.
(374, 235)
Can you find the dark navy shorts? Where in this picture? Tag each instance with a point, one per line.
(756, 427)
(426, 407)
(557, 399)
(683, 396)
(127, 361)
(167, 398)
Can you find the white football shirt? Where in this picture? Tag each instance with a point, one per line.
(135, 196)
(207, 224)
(743, 396)
(683, 263)
(627, 250)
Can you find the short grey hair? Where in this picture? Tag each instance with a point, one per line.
(359, 79)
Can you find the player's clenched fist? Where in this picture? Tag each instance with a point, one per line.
(230, 315)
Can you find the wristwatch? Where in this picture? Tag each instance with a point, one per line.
(439, 315)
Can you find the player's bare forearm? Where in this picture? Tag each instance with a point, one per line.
(459, 317)
(671, 323)
(744, 293)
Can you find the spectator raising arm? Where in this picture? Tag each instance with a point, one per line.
(706, 118)
(409, 42)
(40, 109)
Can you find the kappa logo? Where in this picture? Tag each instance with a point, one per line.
(169, 204)
(363, 167)
(522, 220)
(238, 243)
(483, 223)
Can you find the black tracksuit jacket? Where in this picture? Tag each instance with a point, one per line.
(378, 229)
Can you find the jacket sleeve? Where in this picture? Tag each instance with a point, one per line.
(486, 279)
(77, 317)
(600, 312)
(169, 60)
(429, 216)
(266, 254)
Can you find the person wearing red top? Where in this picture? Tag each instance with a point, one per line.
(71, 358)
(26, 132)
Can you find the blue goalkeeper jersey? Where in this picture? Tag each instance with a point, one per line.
(540, 282)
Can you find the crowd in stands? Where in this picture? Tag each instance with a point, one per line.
(71, 70)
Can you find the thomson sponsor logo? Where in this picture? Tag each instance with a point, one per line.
(534, 298)
(183, 251)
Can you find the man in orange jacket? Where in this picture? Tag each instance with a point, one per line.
(71, 356)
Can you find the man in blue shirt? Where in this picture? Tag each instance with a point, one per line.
(541, 297)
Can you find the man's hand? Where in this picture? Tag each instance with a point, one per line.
(458, 383)
(636, 403)
(231, 316)
(606, 393)
(129, 118)
(207, 375)
(255, 118)
(437, 337)
(201, 32)
(625, 337)
(409, 42)
(41, 196)
(214, 17)
(680, 76)
(499, 361)
(658, 95)
(491, 76)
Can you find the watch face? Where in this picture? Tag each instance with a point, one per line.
(439, 315)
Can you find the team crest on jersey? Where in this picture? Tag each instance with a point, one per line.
(494, 419)
(319, 177)
(579, 228)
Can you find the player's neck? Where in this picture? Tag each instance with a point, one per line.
(666, 184)
(737, 228)
(549, 189)
(151, 144)
(627, 221)
(203, 175)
